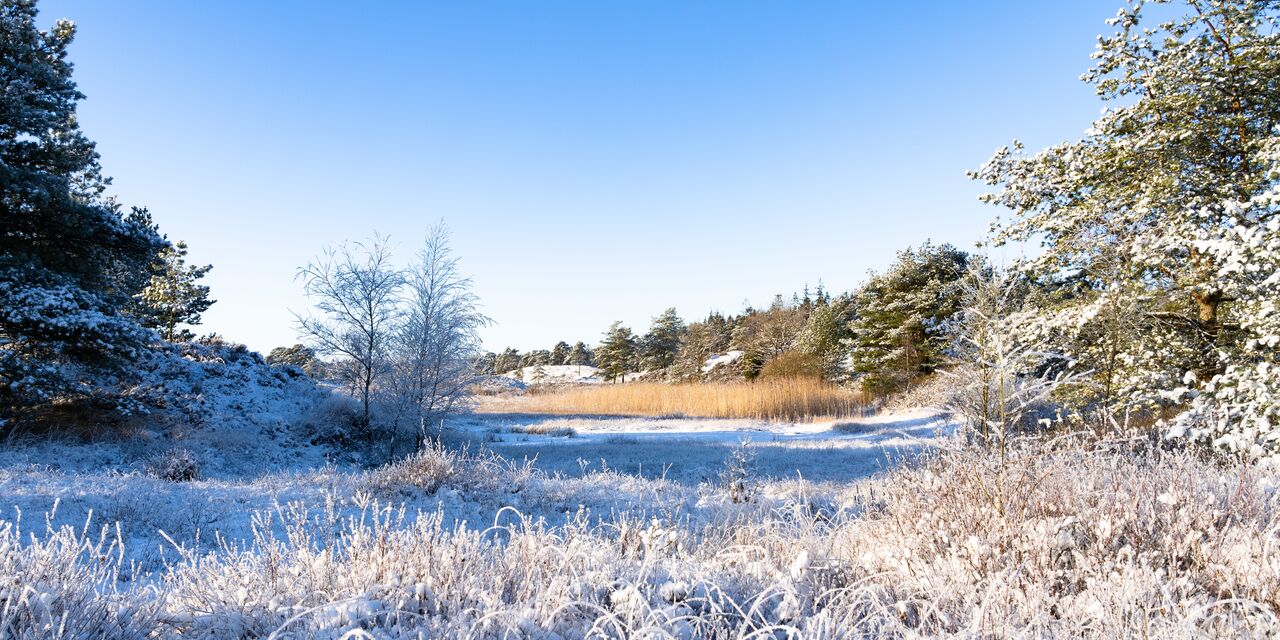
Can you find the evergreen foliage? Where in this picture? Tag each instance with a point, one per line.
(560, 353)
(826, 334)
(661, 344)
(900, 328)
(173, 296)
(580, 354)
(70, 260)
(1159, 226)
(617, 354)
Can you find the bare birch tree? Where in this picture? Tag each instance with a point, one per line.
(436, 338)
(356, 290)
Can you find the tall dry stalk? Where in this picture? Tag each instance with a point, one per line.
(786, 399)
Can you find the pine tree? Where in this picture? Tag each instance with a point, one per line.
(507, 361)
(899, 331)
(173, 297)
(1156, 224)
(826, 334)
(298, 355)
(579, 355)
(616, 356)
(69, 259)
(560, 353)
(485, 364)
(660, 346)
(702, 341)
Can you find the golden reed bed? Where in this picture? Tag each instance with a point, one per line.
(782, 400)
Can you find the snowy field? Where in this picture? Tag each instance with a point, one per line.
(694, 450)
(555, 465)
(524, 526)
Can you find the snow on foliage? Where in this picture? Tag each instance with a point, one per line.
(1157, 273)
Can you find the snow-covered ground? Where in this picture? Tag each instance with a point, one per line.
(721, 360)
(557, 374)
(603, 465)
(693, 450)
(555, 527)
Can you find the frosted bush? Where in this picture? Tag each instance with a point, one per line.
(424, 471)
(174, 465)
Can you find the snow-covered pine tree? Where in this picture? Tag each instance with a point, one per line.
(1157, 225)
(560, 353)
(616, 355)
(535, 358)
(70, 261)
(701, 341)
(173, 296)
(826, 333)
(898, 331)
(580, 354)
(507, 361)
(484, 365)
(299, 355)
(661, 344)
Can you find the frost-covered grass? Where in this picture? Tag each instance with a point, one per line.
(1062, 542)
(781, 400)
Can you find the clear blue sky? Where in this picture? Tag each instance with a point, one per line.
(597, 161)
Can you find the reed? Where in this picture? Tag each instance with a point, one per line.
(781, 399)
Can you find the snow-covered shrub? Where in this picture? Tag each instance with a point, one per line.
(67, 586)
(736, 476)
(334, 420)
(424, 471)
(174, 465)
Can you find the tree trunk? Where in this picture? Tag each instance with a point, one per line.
(1207, 307)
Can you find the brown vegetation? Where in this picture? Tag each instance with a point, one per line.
(771, 399)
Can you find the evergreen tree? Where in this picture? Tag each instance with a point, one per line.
(616, 356)
(485, 364)
(535, 358)
(507, 361)
(580, 354)
(826, 334)
(900, 328)
(560, 353)
(662, 343)
(69, 260)
(1156, 225)
(298, 355)
(702, 340)
(173, 297)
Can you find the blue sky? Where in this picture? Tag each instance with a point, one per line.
(596, 161)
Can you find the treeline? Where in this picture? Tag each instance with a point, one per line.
(881, 336)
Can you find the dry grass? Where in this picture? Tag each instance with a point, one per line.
(1091, 544)
(786, 399)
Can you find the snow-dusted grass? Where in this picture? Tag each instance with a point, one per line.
(781, 400)
(1092, 543)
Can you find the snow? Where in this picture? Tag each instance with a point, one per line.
(721, 359)
(693, 449)
(557, 374)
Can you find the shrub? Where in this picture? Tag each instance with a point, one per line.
(424, 471)
(793, 364)
(174, 465)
